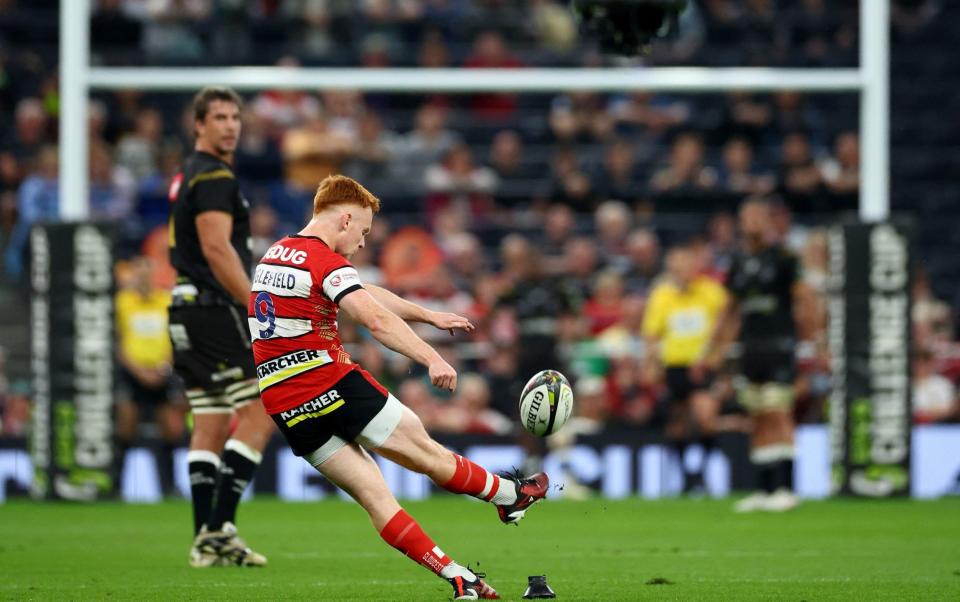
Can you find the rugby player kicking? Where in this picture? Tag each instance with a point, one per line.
(331, 410)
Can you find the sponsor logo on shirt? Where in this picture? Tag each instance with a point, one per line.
(290, 360)
(294, 256)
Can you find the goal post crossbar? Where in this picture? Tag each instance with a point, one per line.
(870, 80)
(660, 79)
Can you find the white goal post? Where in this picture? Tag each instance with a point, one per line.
(870, 79)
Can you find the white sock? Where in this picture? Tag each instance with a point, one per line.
(455, 570)
(506, 492)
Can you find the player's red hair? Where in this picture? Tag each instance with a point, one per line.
(336, 189)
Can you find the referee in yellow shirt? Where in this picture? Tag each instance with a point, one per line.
(145, 355)
(681, 313)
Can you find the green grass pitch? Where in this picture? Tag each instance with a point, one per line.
(593, 550)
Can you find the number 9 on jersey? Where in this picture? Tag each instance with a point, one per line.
(266, 315)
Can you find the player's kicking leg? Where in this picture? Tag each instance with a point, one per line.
(354, 471)
(410, 446)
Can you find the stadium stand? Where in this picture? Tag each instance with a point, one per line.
(473, 171)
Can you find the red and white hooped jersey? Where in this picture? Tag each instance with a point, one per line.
(293, 320)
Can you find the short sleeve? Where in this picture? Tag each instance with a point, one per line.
(214, 191)
(653, 317)
(340, 282)
(121, 309)
(719, 296)
(733, 279)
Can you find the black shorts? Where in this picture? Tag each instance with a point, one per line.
(679, 385)
(129, 388)
(773, 362)
(356, 408)
(213, 357)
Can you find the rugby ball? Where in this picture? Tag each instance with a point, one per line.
(546, 403)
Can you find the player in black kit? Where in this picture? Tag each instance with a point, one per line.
(543, 307)
(210, 248)
(770, 304)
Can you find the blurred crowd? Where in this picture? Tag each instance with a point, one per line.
(486, 197)
(434, 33)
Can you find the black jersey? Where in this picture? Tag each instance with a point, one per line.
(537, 305)
(762, 284)
(205, 184)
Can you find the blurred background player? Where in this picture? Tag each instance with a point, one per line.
(536, 310)
(769, 306)
(330, 410)
(799, 139)
(680, 317)
(539, 305)
(209, 247)
(146, 373)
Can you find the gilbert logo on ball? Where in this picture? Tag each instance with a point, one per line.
(546, 403)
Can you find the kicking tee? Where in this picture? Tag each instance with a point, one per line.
(292, 315)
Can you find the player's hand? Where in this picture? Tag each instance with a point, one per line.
(442, 375)
(450, 322)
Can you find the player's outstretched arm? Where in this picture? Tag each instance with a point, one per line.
(388, 328)
(411, 312)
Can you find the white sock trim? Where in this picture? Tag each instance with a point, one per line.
(244, 450)
(488, 486)
(506, 492)
(785, 451)
(766, 454)
(203, 455)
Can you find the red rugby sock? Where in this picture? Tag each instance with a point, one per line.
(403, 533)
(472, 479)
